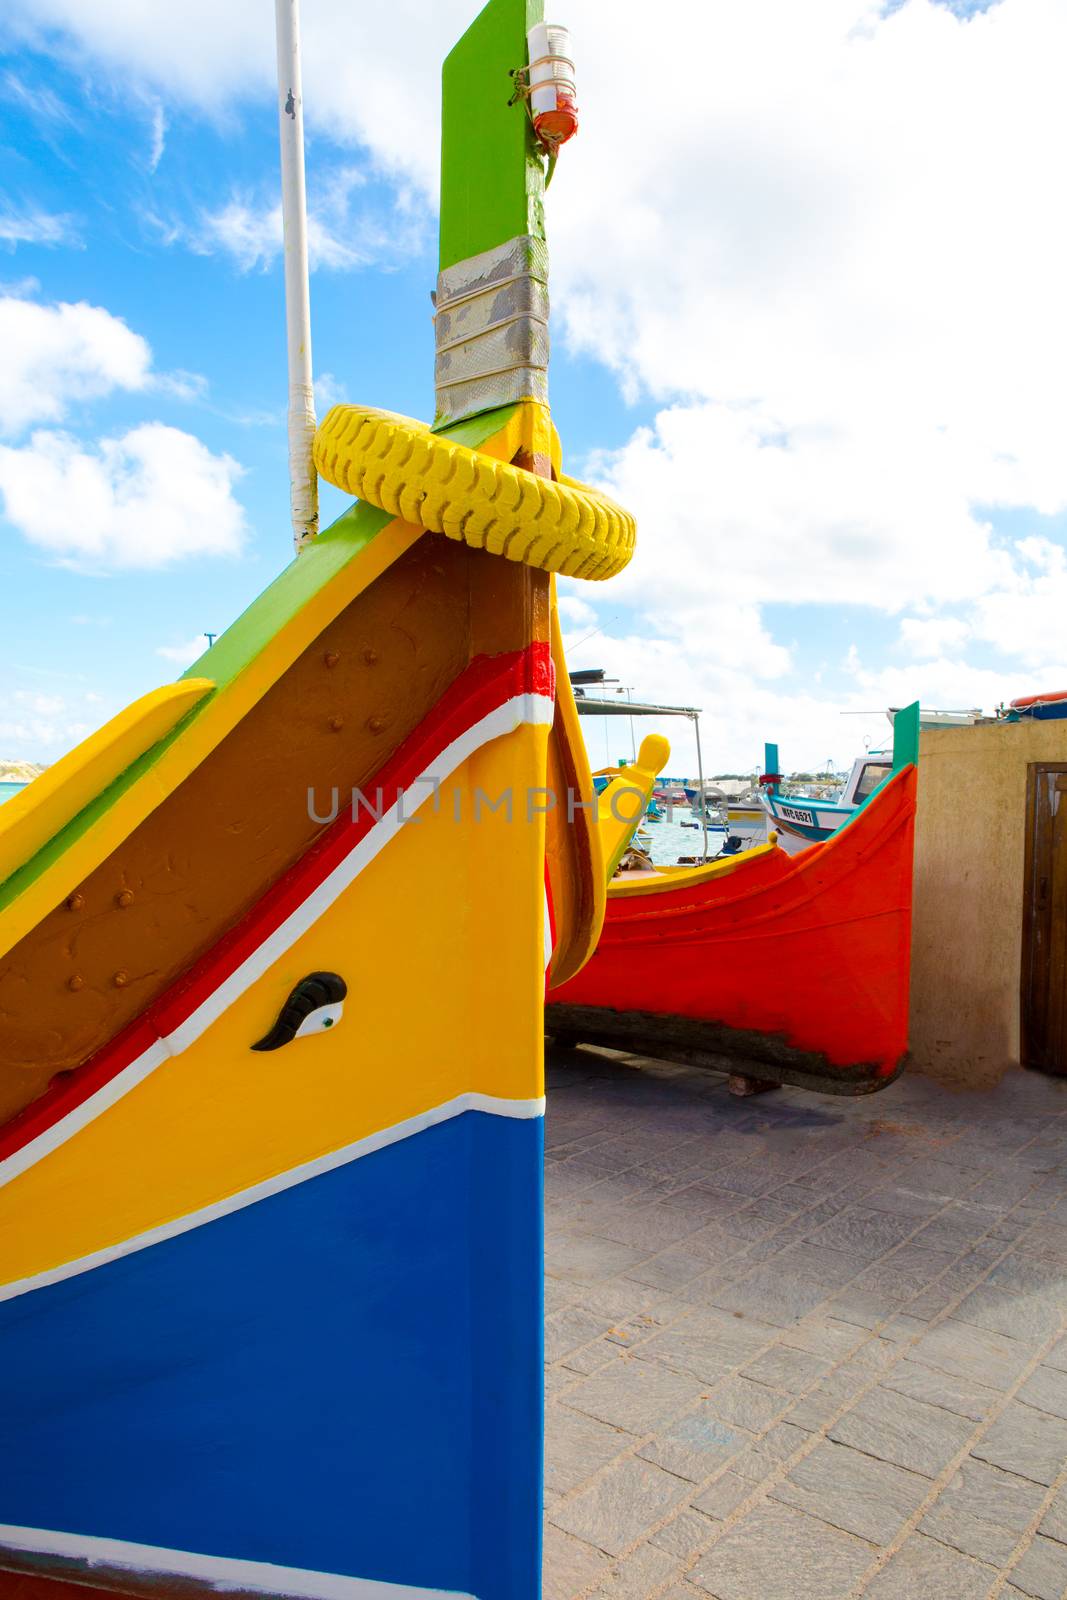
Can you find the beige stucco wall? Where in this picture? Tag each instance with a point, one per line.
(970, 843)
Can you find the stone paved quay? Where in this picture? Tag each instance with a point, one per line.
(802, 1348)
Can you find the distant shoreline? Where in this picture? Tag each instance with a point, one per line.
(19, 771)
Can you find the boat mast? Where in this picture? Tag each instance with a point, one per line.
(703, 798)
(303, 481)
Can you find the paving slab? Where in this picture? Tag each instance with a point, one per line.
(923, 1569)
(766, 1458)
(804, 1347)
(566, 1330)
(1019, 1314)
(778, 1553)
(963, 1351)
(588, 1258)
(909, 1433)
(622, 1504)
(748, 1405)
(636, 1395)
(1057, 1356)
(639, 1575)
(576, 1446)
(1054, 1522)
(709, 1344)
(696, 1445)
(827, 1337)
(919, 1382)
(984, 1511)
(671, 1269)
(570, 1567)
(1046, 1390)
(685, 1534)
(784, 1368)
(1042, 1570)
(1027, 1442)
(853, 1491)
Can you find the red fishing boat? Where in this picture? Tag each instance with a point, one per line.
(799, 963)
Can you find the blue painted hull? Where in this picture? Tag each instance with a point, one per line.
(344, 1377)
(791, 817)
(1051, 711)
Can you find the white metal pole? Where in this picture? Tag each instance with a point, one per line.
(303, 482)
(703, 802)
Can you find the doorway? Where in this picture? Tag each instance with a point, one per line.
(1044, 974)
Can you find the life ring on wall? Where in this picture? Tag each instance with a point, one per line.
(401, 467)
(1025, 701)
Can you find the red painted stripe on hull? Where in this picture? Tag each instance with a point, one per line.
(814, 948)
(487, 683)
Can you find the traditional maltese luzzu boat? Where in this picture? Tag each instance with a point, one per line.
(274, 945)
(799, 964)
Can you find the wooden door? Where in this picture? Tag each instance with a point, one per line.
(1044, 976)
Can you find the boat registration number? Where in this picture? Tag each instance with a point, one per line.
(796, 814)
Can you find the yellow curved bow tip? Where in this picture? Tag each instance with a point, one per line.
(654, 753)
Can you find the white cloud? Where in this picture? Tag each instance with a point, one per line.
(41, 724)
(19, 288)
(183, 655)
(36, 100)
(54, 356)
(733, 504)
(181, 384)
(1025, 618)
(329, 391)
(825, 239)
(32, 226)
(371, 73)
(926, 638)
(150, 497)
(575, 612)
(738, 710)
(800, 248)
(159, 136)
(340, 237)
(253, 237)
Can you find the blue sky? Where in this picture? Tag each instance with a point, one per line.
(836, 412)
(77, 148)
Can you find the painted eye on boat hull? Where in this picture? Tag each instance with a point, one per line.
(315, 1005)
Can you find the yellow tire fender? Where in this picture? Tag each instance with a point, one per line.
(401, 467)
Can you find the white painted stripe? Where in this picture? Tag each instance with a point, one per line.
(504, 719)
(221, 1573)
(524, 709)
(470, 1101)
(61, 1130)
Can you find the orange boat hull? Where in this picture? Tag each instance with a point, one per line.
(800, 962)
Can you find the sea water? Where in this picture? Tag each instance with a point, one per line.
(8, 789)
(670, 839)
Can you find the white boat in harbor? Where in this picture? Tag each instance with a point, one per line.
(801, 820)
